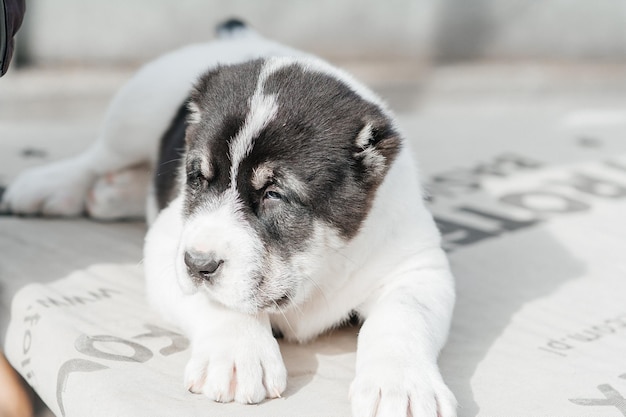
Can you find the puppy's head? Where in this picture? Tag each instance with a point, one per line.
(282, 163)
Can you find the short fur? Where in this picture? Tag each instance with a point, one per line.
(285, 198)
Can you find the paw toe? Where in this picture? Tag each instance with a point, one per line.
(220, 382)
(364, 399)
(249, 377)
(195, 376)
(274, 379)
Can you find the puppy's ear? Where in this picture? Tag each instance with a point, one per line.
(193, 113)
(377, 145)
(199, 93)
(193, 116)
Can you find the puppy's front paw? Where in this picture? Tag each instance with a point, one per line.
(57, 189)
(247, 371)
(388, 391)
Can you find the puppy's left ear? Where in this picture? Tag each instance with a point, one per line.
(193, 116)
(193, 113)
(377, 145)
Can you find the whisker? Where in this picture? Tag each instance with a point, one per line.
(341, 254)
(295, 305)
(282, 313)
(317, 287)
(280, 310)
(171, 161)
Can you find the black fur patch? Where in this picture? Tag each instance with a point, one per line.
(311, 145)
(171, 152)
(314, 134)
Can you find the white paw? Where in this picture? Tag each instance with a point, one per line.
(57, 189)
(383, 391)
(246, 370)
(119, 195)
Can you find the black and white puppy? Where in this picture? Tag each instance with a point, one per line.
(286, 199)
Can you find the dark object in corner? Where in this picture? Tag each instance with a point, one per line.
(11, 17)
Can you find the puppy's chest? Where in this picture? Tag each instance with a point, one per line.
(318, 314)
(296, 327)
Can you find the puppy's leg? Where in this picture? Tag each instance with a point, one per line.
(234, 356)
(60, 188)
(134, 123)
(406, 325)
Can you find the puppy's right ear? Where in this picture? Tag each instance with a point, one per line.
(377, 145)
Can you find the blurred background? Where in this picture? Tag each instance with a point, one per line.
(120, 32)
(458, 56)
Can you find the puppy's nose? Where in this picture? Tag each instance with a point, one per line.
(204, 265)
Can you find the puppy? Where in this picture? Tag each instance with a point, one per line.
(284, 199)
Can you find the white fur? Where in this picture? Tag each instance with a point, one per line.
(219, 228)
(262, 111)
(120, 194)
(393, 271)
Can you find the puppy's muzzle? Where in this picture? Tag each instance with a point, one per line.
(205, 266)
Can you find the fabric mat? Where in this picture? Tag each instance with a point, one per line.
(532, 209)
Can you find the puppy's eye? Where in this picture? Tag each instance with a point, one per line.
(272, 195)
(197, 181)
